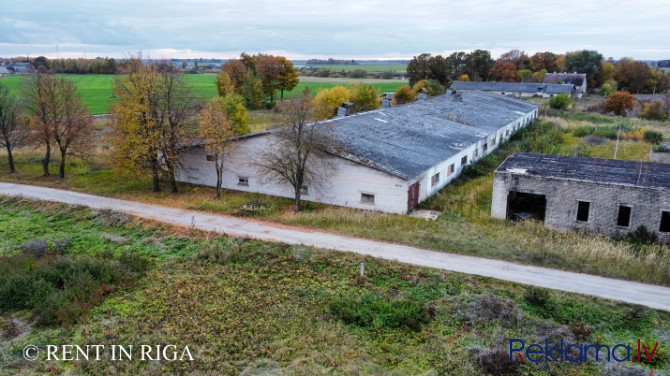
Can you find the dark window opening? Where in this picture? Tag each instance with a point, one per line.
(210, 158)
(583, 211)
(435, 179)
(624, 216)
(665, 222)
(485, 147)
(242, 181)
(451, 169)
(304, 190)
(367, 198)
(525, 206)
(464, 160)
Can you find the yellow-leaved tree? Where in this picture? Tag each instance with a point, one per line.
(217, 133)
(154, 114)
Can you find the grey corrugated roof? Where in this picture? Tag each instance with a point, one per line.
(571, 78)
(513, 87)
(606, 171)
(409, 139)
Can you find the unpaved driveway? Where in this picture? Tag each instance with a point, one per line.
(644, 294)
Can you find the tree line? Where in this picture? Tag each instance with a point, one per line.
(156, 119)
(516, 66)
(257, 77)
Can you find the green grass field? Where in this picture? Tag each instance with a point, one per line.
(96, 90)
(246, 307)
(365, 67)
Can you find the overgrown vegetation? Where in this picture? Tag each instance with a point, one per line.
(247, 307)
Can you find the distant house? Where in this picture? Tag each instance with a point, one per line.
(388, 159)
(576, 79)
(607, 196)
(517, 89)
(21, 68)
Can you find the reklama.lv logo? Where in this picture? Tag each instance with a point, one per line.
(577, 353)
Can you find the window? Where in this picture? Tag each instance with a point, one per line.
(507, 133)
(665, 222)
(475, 154)
(583, 211)
(624, 216)
(243, 180)
(464, 160)
(485, 147)
(210, 158)
(367, 198)
(451, 169)
(304, 190)
(435, 179)
(493, 140)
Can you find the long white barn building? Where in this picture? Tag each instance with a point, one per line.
(390, 159)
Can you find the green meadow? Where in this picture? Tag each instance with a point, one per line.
(365, 67)
(96, 89)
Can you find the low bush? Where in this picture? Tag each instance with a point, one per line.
(653, 137)
(60, 289)
(560, 102)
(373, 311)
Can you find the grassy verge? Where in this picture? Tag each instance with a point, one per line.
(247, 307)
(464, 226)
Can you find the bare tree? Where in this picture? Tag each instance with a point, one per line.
(297, 153)
(10, 132)
(178, 107)
(44, 106)
(58, 115)
(74, 131)
(216, 131)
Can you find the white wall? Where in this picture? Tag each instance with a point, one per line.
(347, 181)
(426, 190)
(344, 186)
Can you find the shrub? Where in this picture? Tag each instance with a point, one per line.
(619, 102)
(560, 102)
(582, 131)
(358, 73)
(404, 94)
(496, 362)
(489, 309)
(373, 311)
(59, 289)
(536, 296)
(660, 149)
(323, 72)
(653, 137)
(641, 236)
(654, 111)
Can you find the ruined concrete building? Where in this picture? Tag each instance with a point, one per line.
(607, 196)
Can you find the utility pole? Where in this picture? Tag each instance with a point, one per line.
(618, 136)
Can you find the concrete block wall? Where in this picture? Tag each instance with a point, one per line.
(563, 195)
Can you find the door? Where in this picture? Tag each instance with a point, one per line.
(413, 196)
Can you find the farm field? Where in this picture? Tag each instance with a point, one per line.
(96, 90)
(365, 67)
(254, 308)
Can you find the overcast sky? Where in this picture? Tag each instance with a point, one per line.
(324, 28)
